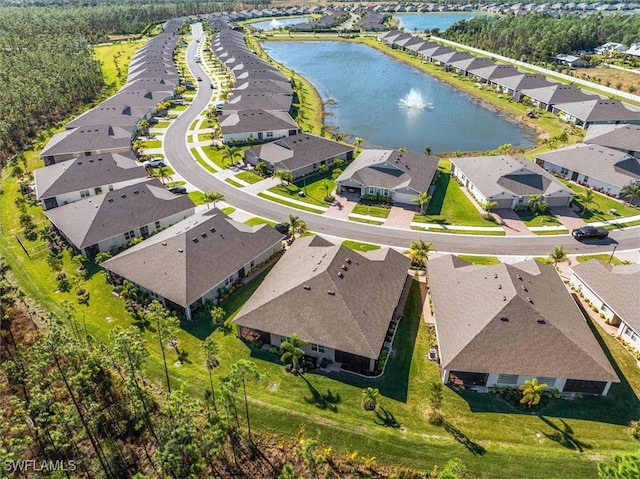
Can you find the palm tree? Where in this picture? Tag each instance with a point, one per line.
(531, 392)
(283, 175)
(489, 204)
(419, 253)
(370, 398)
(212, 197)
(557, 255)
(296, 225)
(427, 150)
(421, 200)
(293, 351)
(631, 191)
(586, 198)
(538, 204)
(357, 141)
(210, 349)
(144, 126)
(230, 153)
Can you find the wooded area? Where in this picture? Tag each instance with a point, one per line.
(540, 37)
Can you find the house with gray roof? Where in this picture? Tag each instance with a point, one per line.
(570, 60)
(300, 154)
(596, 111)
(465, 66)
(257, 100)
(547, 97)
(86, 176)
(196, 260)
(513, 85)
(114, 112)
(601, 168)
(524, 324)
(398, 175)
(85, 141)
(613, 290)
(509, 181)
(625, 138)
(494, 72)
(109, 221)
(256, 125)
(339, 301)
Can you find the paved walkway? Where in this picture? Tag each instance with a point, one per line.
(342, 206)
(511, 222)
(263, 185)
(568, 217)
(401, 216)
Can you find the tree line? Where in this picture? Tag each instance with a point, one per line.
(540, 37)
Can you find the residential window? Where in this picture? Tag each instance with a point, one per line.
(110, 187)
(549, 381)
(564, 171)
(508, 378)
(317, 348)
(284, 338)
(98, 191)
(269, 134)
(586, 178)
(157, 225)
(84, 193)
(129, 235)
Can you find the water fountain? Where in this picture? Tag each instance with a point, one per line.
(413, 101)
(275, 24)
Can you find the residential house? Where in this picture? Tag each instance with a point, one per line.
(509, 181)
(634, 50)
(256, 125)
(465, 66)
(109, 221)
(85, 141)
(503, 324)
(570, 60)
(257, 100)
(596, 111)
(599, 167)
(114, 112)
(301, 154)
(513, 85)
(196, 260)
(547, 97)
(610, 47)
(398, 175)
(492, 73)
(625, 138)
(337, 300)
(86, 176)
(613, 291)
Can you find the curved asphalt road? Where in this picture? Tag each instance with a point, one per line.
(179, 156)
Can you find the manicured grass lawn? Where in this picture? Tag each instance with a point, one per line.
(162, 124)
(449, 205)
(179, 107)
(375, 211)
(215, 155)
(599, 211)
(106, 55)
(148, 144)
(197, 197)
(531, 219)
(249, 177)
(453, 230)
(233, 182)
(228, 210)
(602, 257)
(193, 125)
(285, 202)
(317, 188)
(202, 162)
(550, 232)
(204, 136)
(475, 259)
(357, 246)
(258, 221)
(171, 184)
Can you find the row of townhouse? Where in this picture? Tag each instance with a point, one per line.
(567, 101)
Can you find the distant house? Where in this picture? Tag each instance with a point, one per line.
(400, 176)
(111, 220)
(513, 85)
(300, 154)
(613, 290)
(596, 111)
(256, 125)
(510, 181)
(465, 66)
(570, 60)
(317, 291)
(503, 324)
(610, 47)
(86, 176)
(85, 141)
(492, 73)
(546, 97)
(625, 138)
(196, 260)
(257, 100)
(634, 50)
(604, 169)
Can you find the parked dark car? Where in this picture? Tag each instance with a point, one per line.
(199, 78)
(282, 228)
(587, 232)
(178, 190)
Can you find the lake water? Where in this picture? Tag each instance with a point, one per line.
(368, 86)
(275, 23)
(420, 22)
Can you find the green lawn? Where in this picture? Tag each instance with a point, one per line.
(162, 124)
(475, 259)
(148, 144)
(550, 232)
(362, 247)
(235, 183)
(602, 257)
(114, 68)
(215, 155)
(193, 125)
(258, 221)
(600, 210)
(249, 177)
(228, 210)
(204, 136)
(201, 161)
(197, 197)
(374, 211)
(316, 189)
(453, 230)
(531, 219)
(283, 201)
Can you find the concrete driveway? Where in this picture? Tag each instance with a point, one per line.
(401, 216)
(511, 223)
(568, 217)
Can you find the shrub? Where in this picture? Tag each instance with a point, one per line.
(435, 417)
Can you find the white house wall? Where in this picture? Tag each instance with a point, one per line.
(253, 135)
(577, 284)
(74, 196)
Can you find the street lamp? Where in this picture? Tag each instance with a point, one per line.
(612, 253)
(304, 183)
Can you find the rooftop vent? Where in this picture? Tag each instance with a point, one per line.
(504, 318)
(180, 250)
(331, 292)
(124, 196)
(164, 243)
(519, 277)
(495, 275)
(194, 239)
(504, 298)
(348, 261)
(213, 230)
(540, 321)
(136, 192)
(529, 299)
(110, 200)
(524, 288)
(203, 234)
(499, 286)
(340, 275)
(344, 267)
(307, 287)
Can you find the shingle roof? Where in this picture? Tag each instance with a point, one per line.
(516, 175)
(557, 93)
(112, 112)
(599, 110)
(298, 151)
(620, 137)
(512, 319)
(86, 172)
(353, 318)
(618, 286)
(188, 259)
(96, 219)
(495, 71)
(523, 81)
(598, 162)
(88, 138)
(257, 100)
(391, 169)
(248, 121)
